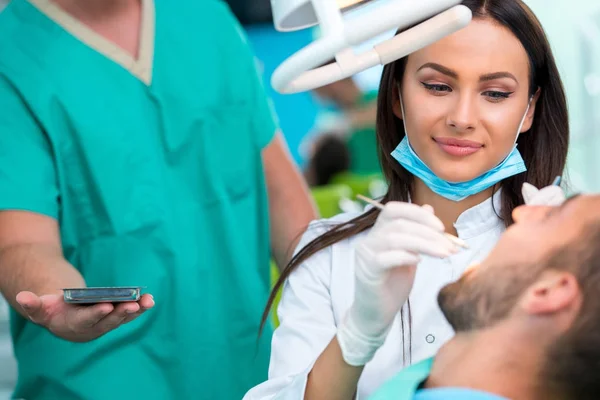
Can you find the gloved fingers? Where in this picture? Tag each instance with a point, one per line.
(412, 228)
(430, 246)
(528, 191)
(397, 258)
(548, 196)
(399, 234)
(428, 208)
(406, 211)
(552, 195)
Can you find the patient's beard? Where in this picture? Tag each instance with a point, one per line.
(482, 298)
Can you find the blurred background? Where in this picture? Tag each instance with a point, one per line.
(326, 129)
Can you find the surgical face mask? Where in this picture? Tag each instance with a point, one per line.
(513, 164)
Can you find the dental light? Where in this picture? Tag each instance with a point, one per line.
(347, 23)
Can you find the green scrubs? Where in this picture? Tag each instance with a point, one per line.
(405, 384)
(153, 169)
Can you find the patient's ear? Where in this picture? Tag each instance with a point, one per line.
(554, 292)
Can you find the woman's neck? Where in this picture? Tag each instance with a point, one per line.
(446, 210)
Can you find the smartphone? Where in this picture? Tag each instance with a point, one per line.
(102, 294)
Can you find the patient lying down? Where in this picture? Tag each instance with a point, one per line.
(527, 319)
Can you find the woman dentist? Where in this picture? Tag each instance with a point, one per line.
(450, 118)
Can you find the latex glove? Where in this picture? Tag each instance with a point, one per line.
(385, 267)
(80, 323)
(549, 196)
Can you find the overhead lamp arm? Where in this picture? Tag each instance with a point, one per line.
(304, 70)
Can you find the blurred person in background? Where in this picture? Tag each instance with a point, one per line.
(329, 157)
(138, 147)
(351, 112)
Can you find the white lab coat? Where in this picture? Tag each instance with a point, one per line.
(318, 294)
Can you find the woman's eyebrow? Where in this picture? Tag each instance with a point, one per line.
(453, 74)
(497, 75)
(439, 68)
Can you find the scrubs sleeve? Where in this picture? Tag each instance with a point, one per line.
(265, 123)
(27, 171)
(264, 118)
(307, 325)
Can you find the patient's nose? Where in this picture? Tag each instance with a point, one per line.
(530, 213)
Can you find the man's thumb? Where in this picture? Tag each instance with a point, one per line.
(32, 305)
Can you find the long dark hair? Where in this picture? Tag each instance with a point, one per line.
(544, 148)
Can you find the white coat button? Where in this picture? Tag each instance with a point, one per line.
(430, 338)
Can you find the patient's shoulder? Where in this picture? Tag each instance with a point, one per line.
(405, 383)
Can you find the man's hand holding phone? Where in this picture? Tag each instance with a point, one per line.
(80, 323)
